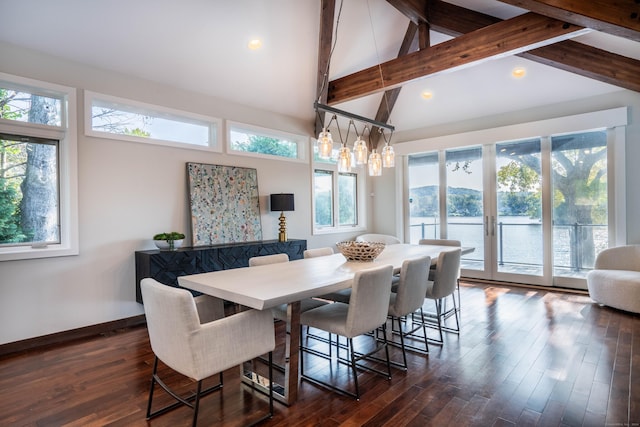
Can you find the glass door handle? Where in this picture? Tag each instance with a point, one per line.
(486, 225)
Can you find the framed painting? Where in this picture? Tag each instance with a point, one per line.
(225, 207)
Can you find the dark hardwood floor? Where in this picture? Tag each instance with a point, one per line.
(525, 357)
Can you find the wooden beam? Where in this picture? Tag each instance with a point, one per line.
(327, 13)
(589, 62)
(566, 55)
(508, 37)
(415, 10)
(618, 17)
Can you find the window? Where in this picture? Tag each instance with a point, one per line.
(259, 142)
(117, 118)
(337, 197)
(38, 182)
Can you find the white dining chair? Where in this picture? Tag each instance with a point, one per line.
(367, 310)
(444, 242)
(407, 299)
(443, 286)
(200, 350)
(268, 259)
(317, 252)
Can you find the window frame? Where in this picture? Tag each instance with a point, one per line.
(214, 124)
(67, 136)
(300, 140)
(361, 180)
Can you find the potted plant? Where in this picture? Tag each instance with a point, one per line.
(170, 241)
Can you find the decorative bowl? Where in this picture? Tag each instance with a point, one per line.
(360, 251)
(164, 245)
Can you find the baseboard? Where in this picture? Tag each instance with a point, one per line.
(73, 334)
(523, 285)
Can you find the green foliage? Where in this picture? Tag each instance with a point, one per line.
(168, 237)
(346, 201)
(324, 210)
(7, 110)
(10, 231)
(523, 195)
(266, 145)
(137, 132)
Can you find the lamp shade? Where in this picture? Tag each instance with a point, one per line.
(282, 202)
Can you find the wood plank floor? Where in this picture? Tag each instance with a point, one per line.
(525, 357)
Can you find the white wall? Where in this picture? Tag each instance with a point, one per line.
(127, 193)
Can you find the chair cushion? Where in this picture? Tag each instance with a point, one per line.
(330, 318)
(339, 296)
(280, 312)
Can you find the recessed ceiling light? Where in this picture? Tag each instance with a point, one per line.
(519, 72)
(255, 44)
(426, 94)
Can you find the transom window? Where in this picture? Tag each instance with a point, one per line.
(124, 119)
(260, 142)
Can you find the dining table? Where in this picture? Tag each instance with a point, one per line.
(267, 286)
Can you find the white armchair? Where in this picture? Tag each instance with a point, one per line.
(615, 280)
(200, 350)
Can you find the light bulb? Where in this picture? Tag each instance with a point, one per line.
(388, 157)
(360, 151)
(325, 144)
(344, 159)
(375, 164)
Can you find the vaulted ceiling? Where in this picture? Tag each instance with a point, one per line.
(541, 34)
(462, 51)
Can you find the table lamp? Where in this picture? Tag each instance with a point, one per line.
(282, 202)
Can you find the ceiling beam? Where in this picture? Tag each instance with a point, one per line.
(589, 62)
(327, 12)
(566, 55)
(617, 17)
(415, 10)
(507, 37)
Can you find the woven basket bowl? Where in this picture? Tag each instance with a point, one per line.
(360, 251)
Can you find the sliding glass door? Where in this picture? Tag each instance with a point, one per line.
(534, 210)
(516, 220)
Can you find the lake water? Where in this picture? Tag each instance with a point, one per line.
(519, 239)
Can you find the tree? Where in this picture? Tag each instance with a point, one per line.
(39, 204)
(579, 180)
(266, 145)
(523, 192)
(579, 175)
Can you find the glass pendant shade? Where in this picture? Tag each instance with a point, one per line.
(360, 151)
(325, 144)
(388, 157)
(344, 159)
(375, 164)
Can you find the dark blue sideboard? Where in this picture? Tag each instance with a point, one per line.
(167, 266)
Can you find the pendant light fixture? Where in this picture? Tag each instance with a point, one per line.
(388, 156)
(345, 158)
(375, 163)
(325, 141)
(360, 149)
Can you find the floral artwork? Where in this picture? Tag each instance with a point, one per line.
(224, 204)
